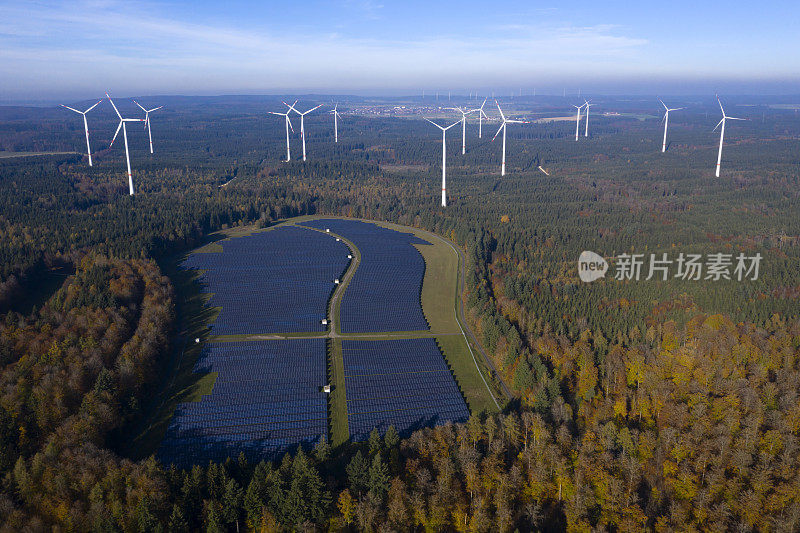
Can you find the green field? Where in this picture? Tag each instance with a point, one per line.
(440, 295)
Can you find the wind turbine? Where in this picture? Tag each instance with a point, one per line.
(288, 125)
(481, 115)
(336, 117)
(122, 122)
(503, 127)
(444, 158)
(588, 105)
(578, 119)
(464, 113)
(666, 121)
(302, 126)
(85, 127)
(722, 132)
(147, 121)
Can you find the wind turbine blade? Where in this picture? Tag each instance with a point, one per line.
(734, 118)
(115, 107)
(140, 106)
(501, 111)
(718, 123)
(435, 124)
(720, 106)
(483, 104)
(115, 134)
(95, 105)
(451, 125)
(276, 113)
(312, 109)
(71, 109)
(503, 125)
(154, 109)
(289, 121)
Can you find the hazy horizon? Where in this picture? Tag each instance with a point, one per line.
(52, 51)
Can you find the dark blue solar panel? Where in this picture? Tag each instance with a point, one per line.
(385, 292)
(266, 399)
(405, 383)
(276, 281)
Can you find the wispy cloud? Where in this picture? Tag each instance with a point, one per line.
(136, 45)
(367, 8)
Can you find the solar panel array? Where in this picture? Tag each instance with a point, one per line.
(266, 399)
(385, 293)
(278, 281)
(405, 383)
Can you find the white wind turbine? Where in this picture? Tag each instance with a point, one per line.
(666, 122)
(588, 105)
(302, 126)
(336, 117)
(85, 127)
(444, 158)
(503, 128)
(578, 120)
(464, 113)
(147, 121)
(722, 132)
(481, 115)
(288, 125)
(122, 122)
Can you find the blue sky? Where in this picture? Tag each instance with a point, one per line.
(78, 49)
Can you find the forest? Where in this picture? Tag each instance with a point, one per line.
(655, 405)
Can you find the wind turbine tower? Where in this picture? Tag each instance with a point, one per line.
(503, 128)
(444, 158)
(336, 117)
(147, 121)
(464, 113)
(122, 122)
(666, 122)
(722, 132)
(481, 115)
(302, 124)
(85, 127)
(578, 120)
(588, 105)
(288, 125)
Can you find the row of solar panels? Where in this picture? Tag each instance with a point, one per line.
(404, 422)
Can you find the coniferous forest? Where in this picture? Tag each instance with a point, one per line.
(635, 404)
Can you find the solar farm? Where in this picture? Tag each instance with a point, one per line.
(293, 356)
(391, 270)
